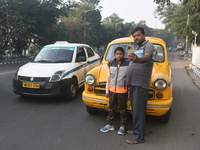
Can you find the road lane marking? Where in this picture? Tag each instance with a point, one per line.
(7, 72)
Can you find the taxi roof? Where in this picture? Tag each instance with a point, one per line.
(65, 43)
(130, 39)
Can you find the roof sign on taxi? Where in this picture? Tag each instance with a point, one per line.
(61, 48)
(61, 42)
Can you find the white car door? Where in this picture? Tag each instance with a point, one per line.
(93, 58)
(81, 61)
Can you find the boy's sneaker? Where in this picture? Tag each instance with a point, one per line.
(107, 128)
(121, 130)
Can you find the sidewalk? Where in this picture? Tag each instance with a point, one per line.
(187, 56)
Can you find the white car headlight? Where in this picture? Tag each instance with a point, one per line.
(160, 84)
(90, 79)
(16, 75)
(56, 77)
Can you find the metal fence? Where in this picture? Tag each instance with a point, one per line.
(16, 58)
(19, 58)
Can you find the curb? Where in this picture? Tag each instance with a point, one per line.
(195, 69)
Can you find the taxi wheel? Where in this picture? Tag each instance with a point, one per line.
(91, 110)
(165, 118)
(71, 90)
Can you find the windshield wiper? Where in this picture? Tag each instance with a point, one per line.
(43, 61)
(61, 61)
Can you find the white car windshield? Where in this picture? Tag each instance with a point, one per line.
(54, 55)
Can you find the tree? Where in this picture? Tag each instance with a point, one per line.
(91, 2)
(89, 23)
(26, 21)
(71, 30)
(162, 2)
(112, 19)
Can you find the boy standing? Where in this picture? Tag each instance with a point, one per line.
(117, 91)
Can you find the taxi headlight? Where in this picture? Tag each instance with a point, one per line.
(160, 84)
(90, 79)
(16, 75)
(56, 77)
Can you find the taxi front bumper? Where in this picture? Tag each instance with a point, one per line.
(46, 89)
(154, 107)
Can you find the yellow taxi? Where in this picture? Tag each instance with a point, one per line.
(160, 90)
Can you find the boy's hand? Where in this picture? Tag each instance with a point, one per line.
(110, 62)
(107, 95)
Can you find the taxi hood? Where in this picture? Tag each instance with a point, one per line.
(42, 69)
(103, 74)
(160, 71)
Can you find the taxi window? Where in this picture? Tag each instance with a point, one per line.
(159, 55)
(80, 52)
(89, 52)
(55, 55)
(125, 46)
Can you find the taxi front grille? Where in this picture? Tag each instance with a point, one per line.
(100, 89)
(151, 93)
(33, 79)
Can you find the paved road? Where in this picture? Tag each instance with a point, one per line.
(55, 124)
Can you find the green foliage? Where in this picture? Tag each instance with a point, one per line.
(175, 16)
(162, 2)
(25, 21)
(40, 22)
(91, 2)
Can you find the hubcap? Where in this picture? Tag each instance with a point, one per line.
(73, 89)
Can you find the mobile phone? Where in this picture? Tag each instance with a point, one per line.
(131, 49)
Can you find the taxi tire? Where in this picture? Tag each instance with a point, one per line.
(165, 118)
(91, 110)
(71, 90)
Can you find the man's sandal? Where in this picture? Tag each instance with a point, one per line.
(133, 141)
(130, 132)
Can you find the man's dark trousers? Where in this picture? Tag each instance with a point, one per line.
(138, 98)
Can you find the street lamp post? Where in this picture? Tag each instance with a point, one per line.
(85, 25)
(155, 15)
(186, 41)
(116, 29)
(8, 26)
(195, 38)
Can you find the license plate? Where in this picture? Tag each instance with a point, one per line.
(31, 85)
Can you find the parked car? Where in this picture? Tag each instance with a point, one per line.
(180, 47)
(160, 91)
(57, 70)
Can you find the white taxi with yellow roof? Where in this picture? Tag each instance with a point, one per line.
(57, 70)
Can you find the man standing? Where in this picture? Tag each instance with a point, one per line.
(138, 79)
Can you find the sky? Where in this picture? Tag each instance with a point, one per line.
(133, 10)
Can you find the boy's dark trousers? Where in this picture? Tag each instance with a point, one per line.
(117, 99)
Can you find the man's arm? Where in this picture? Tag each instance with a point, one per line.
(133, 57)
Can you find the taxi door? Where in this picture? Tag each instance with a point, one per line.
(92, 58)
(81, 61)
